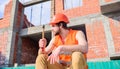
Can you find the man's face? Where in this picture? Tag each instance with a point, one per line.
(55, 29)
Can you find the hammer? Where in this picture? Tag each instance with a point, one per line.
(43, 34)
(43, 28)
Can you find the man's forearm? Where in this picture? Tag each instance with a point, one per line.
(73, 48)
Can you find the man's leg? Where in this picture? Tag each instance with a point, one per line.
(78, 61)
(55, 66)
(42, 63)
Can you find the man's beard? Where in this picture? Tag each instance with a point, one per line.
(57, 33)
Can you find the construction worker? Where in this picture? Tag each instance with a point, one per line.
(68, 47)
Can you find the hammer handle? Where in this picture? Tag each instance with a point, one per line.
(43, 32)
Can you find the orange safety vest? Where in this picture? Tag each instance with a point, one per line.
(70, 40)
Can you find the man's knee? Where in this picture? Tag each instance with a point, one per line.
(41, 57)
(77, 56)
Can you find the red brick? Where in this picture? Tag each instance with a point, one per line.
(89, 7)
(3, 43)
(15, 49)
(109, 0)
(115, 30)
(5, 22)
(96, 40)
(58, 6)
(29, 49)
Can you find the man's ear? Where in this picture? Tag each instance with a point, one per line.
(61, 25)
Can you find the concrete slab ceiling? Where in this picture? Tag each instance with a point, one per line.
(33, 2)
(110, 7)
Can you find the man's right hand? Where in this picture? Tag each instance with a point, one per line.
(42, 44)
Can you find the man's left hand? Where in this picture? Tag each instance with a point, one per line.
(54, 57)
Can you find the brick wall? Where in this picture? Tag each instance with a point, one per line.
(19, 18)
(96, 40)
(3, 47)
(88, 7)
(58, 6)
(29, 51)
(19, 13)
(115, 29)
(4, 35)
(5, 22)
(15, 48)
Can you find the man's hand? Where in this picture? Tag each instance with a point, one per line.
(54, 57)
(42, 44)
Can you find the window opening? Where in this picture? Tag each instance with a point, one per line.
(68, 4)
(40, 13)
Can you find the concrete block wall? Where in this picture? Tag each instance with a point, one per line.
(101, 30)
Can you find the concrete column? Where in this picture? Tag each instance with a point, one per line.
(12, 33)
(19, 45)
(109, 37)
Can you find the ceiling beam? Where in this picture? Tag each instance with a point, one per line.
(33, 2)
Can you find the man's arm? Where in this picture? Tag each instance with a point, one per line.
(49, 48)
(82, 44)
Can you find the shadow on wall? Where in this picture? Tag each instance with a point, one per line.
(113, 15)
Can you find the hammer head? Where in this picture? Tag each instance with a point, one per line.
(43, 26)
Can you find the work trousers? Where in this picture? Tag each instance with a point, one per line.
(78, 62)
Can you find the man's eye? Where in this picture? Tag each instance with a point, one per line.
(53, 25)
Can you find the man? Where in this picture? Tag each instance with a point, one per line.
(68, 47)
